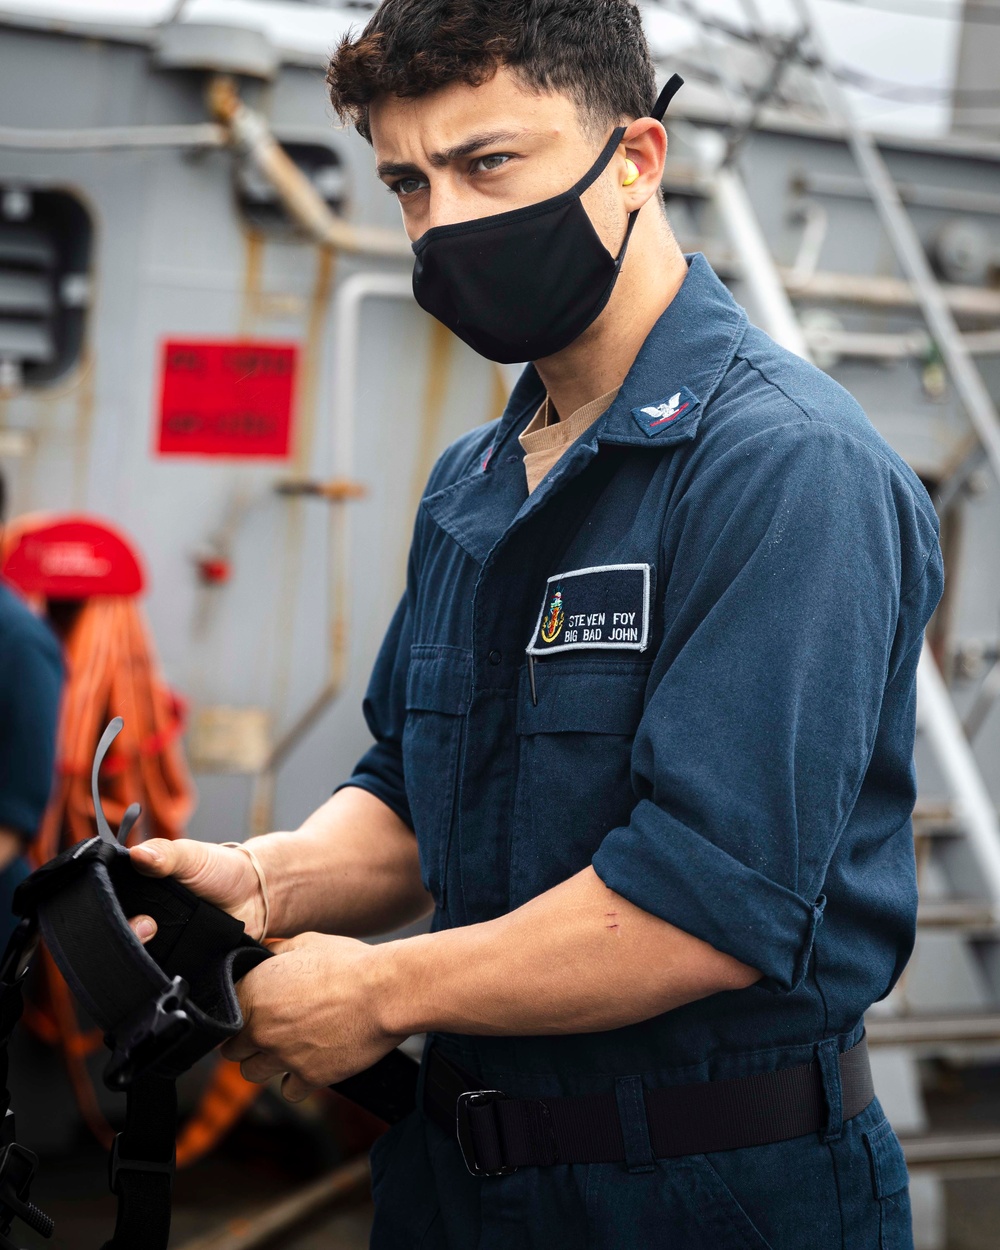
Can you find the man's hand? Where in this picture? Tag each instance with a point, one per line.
(311, 1012)
(218, 874)
(352, 868)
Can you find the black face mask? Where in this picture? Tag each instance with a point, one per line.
(525, 284)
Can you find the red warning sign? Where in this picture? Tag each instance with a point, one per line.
(227, 398)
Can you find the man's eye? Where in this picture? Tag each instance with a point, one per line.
(483, 164)
(407, 186)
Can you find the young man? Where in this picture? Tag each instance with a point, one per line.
(647, 705)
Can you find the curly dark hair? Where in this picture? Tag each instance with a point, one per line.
(593, 50)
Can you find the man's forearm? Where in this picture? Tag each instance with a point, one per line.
(352, 868)
(578, 958)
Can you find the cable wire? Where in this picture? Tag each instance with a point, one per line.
(985, 14)
(850, 75)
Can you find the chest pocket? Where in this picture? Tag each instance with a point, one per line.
(574, 766)
(438, 687)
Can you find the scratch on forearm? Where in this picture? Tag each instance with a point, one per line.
(612, 916)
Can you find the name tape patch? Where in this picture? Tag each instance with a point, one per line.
(606, 606)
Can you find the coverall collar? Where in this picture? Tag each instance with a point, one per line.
(692, 344)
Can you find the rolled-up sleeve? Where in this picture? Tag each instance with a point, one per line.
(788, 561)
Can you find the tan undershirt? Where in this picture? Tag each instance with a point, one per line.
(545, 437)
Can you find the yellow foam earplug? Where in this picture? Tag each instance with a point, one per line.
(633, 171)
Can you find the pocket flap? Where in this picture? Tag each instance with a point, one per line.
(439, 679)
(889, 1173)
(583, 698)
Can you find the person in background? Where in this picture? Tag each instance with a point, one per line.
(31, 674)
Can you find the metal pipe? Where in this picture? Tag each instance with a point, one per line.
(250, 135)
(863, 290)
(349, 300)
(757, 265)
(985, 700)
(816, 222)
(971, 800)
(860, 345)
(880, 292)
(967, 1027)
(967, 379)
(948, 199)
(199, 135)
(351, 295)
(970, 1154)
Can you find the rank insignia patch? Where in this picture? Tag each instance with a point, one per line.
(658, 418)
(605, 607)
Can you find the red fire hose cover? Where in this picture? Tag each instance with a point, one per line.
(70, 557)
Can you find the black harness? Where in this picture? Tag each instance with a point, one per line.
(162, 1007)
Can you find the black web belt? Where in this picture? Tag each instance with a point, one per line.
(498, 1134)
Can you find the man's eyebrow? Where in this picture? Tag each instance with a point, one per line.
(396, 169)
(488, 139)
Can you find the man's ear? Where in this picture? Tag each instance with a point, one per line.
(645, 145)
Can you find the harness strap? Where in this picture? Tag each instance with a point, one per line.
(141, 1167)
(17, 1165)
(498, 1134)
(164, 1005)
(83, 929)
(11, 1007)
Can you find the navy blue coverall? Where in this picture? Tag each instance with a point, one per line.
(722, 586)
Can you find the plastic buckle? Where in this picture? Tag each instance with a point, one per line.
(17, 1170)
(117, 1164)
(145, 1039)
(465, 1103)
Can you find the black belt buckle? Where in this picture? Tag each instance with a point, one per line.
(464, 1104)
(143, 1041)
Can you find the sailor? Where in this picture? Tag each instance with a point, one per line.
(31, 673)
(643, 721)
